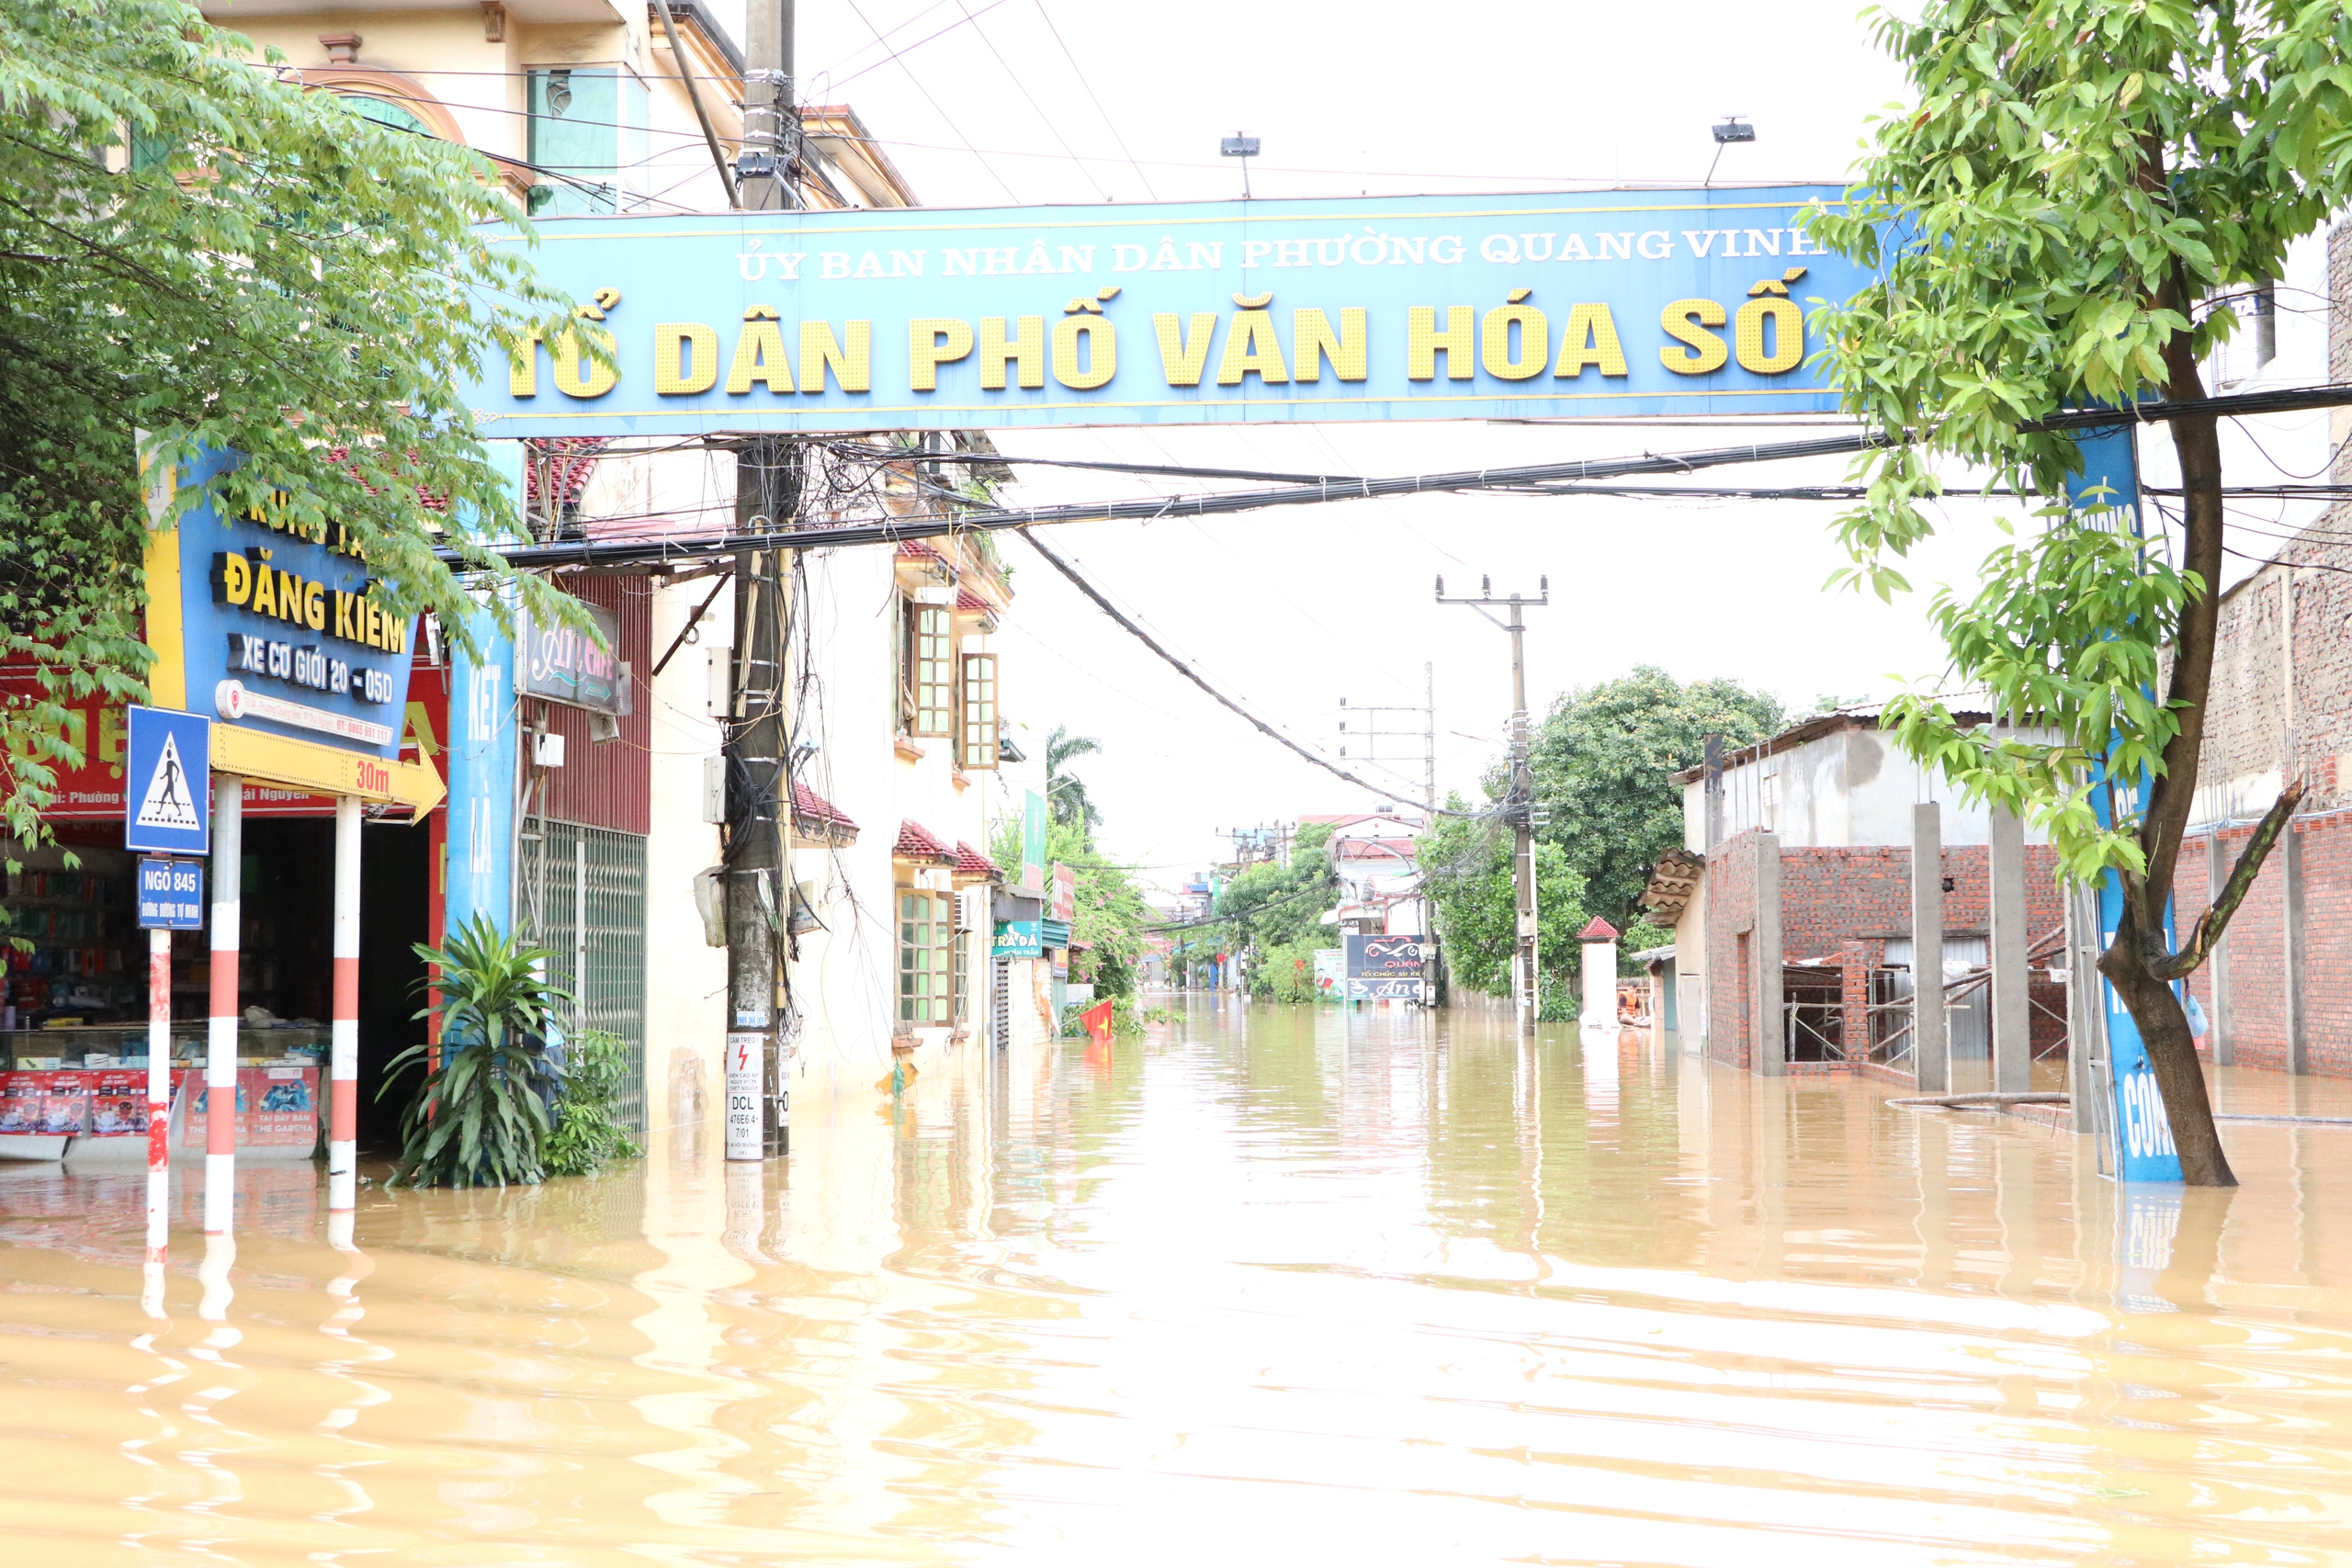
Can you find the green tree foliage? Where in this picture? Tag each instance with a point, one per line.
(1602, 761)
(587, 1137)
(1066, 797)
(270, 274)
(1275, 914)
(1111, 913)
(480, 1117)
(1467, 862)
(2077, 183)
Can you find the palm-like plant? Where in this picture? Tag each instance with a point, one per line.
(1066, 797)
(480, 1119)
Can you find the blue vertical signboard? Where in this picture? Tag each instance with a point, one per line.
(2144, 1150)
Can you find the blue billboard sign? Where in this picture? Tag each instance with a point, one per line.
(167, 783)
(282, 630)
(171, 893)
(2107, 487)
(1374, 308)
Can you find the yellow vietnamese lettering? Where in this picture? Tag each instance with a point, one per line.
(1311, 341)
(576, 374)
(759, 355)
(1183, 355)
(932, 342)
(1101, 349)
(1250, 345)
(1027, 344)
(1495, 335)
(685, 358)
(852, 364)
(1686, 321)
(1424, 342)
(1589, 339)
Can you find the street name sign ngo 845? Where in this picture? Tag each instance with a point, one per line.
(171, 893)
(1513, 307)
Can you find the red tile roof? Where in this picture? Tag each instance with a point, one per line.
(969, 862)
(1599, 930)
(919, 842)
(970, 604)
(917, 549)
(815, 813)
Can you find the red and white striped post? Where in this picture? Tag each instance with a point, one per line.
(342, 1095)
(220, 1030)
(159, 1090)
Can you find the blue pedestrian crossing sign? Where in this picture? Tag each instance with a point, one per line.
(167, 794)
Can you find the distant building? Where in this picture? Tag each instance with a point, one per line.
(1376, 857)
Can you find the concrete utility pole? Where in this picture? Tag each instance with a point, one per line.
(767, 169)
(768, 472)
(1520, 808)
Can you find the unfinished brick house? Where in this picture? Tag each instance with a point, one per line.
(1792, 905)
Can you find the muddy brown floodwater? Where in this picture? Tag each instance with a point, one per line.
(1274, 1287)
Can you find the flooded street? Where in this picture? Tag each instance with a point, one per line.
(1268, 1286)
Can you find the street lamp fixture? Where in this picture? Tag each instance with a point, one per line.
(1244, 148)
(1732, 127)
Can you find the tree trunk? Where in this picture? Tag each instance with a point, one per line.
(2139, 936)
(2172, 1055)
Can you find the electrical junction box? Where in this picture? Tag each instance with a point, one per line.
(715, 696)
(546, 750)
(714, 789)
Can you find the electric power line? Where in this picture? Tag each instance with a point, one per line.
(1183, 668)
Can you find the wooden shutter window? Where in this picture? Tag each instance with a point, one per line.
(934, 671)
(979, 711)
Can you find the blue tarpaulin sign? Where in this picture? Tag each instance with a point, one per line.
(166, 793)
(171, 893)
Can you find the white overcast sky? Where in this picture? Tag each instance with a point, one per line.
(1293, 610)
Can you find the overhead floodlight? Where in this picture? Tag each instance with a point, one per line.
(1733, 128)
(1244, 148)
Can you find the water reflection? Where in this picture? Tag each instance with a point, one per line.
(1273, 1283)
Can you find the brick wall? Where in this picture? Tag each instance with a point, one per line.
(1731, 925)
(2294, 611)
(2255, 946)
(1840, 906)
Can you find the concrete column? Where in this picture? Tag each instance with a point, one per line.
(1930, 1054)
(1600, 975)
(2292, 952)
(2086, 1015)
(343, 1081)
(2221, 1033)
(1771, 1029)
(221, 1028)
(2012, 1014)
